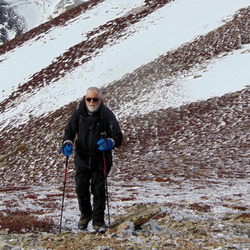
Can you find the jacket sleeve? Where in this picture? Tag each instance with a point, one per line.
(114, 130)
(71, 128)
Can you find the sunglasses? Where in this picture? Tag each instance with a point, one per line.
(94, 99)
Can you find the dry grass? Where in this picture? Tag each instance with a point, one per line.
(24, 222)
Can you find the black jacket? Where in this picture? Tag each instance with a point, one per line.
(88, 131)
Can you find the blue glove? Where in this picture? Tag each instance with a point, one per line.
(67, 148)
(106, 144)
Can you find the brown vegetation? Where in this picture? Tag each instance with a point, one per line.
(16, 221)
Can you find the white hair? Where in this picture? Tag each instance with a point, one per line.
(96, 90)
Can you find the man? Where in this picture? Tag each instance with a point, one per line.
(96, 131)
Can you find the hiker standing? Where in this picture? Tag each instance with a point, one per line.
(88, 125)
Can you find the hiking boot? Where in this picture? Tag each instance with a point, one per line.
(99, 227)
(83, 223)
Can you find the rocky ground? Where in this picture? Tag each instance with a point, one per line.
(164, 232)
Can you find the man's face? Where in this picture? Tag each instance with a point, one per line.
(92, 101)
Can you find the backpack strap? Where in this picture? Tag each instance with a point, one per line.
(78, 121)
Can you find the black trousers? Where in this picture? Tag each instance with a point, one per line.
(90, 182)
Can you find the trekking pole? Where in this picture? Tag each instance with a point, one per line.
(106, 175)
(107, 195)
(64, 186)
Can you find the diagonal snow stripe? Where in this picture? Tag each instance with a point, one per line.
(84, 51)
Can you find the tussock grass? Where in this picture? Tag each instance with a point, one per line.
(24, 222)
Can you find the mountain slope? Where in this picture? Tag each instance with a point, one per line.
(17, 17)
(91, 54)
(11, 23)
(167, 69)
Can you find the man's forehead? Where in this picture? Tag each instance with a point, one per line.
(91, 93)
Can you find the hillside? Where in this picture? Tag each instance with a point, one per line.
(18, 17)
(187, 154)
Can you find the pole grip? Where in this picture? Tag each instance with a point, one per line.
(66, 169)
(103, 136)
(105, 165)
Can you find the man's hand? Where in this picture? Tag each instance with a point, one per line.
(67, 148)
(106, 144)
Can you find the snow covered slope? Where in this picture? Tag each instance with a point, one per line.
(176, 73)
(37, 12)
(28, 14)
(168, 27)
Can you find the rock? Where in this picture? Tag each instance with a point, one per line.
(138, 217)
(125, 227)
